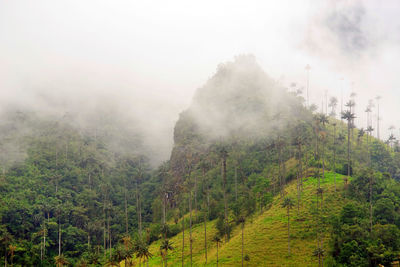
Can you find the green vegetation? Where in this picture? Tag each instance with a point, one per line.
(255, 178)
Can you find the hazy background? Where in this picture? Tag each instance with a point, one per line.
(145, 59)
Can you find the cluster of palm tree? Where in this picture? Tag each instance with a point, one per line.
(321, 133)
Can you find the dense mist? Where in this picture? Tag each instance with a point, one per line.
(140, 64)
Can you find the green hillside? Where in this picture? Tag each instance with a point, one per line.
(265, 234)
(244, 152)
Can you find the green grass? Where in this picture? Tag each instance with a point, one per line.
(265, 234)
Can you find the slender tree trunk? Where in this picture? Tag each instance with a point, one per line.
(140, 215)
(164, 209)
(298, 177)
(280, 172)
(59, 238)
(298, 192)
(183, 236)
(322, 247)
(370, 203)
(138, 207)
(323, 160)
(301, 167)
(236, 195)
(378, 123)
(126, 210)
(104, 226)
(280, 166)
(66, 151)
(41, 251)
(195, 197)
(44, 239)
(109, 234)
(288, 214)
(225, 200)
(319, 252)
(322, 199)
(205, 213)
(88, 240)
(334, 156)
(205, 236)
(190, 228)
(217, 254)
(242, 242)
(348, 151)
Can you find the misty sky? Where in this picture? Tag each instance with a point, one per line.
(149, 57)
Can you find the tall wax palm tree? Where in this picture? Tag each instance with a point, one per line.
(224, 155)
(391, 128)
(369, 131)
(349, 116)
(239, 218)
(288, 204)
(183, 224)
(350, 105)
(317, 128)
(371, 182)
(334, 153)
(319, 252)
(320, 192)
(298, 142)
(164, 176)
(204, 166)
(217, 240)
(60, 260)
(128, 245)
(109, 209)
(391, 141)
(11, 251)
(378, 118)
(164, 231)
(333, 101)
(361, 133)
(368, 110)
(166, 245)
(142, 252)
(369, 134)
(323, 119)
(138, 180)
(189, 186)
(279, 144)
(104, 189)
(190, 228)
(341, 97)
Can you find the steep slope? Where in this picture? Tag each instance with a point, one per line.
(265, 234)
(239, 102)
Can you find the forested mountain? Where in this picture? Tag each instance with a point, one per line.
(248, 155)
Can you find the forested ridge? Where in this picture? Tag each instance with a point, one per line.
(247, 148)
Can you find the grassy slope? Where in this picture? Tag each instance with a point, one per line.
(265, 234)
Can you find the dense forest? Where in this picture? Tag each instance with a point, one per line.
(80, 195)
